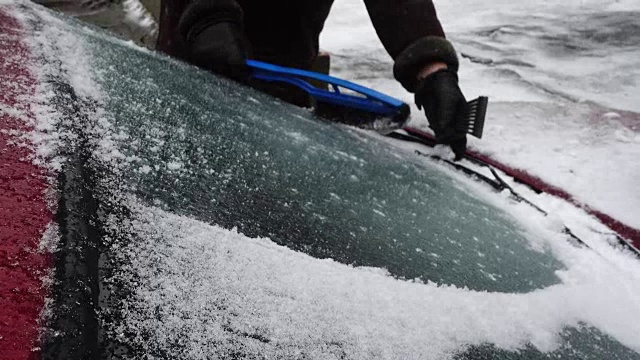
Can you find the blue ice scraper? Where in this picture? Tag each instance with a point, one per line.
(359, 105)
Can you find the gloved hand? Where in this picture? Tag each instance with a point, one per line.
(221, 48)
(445, 108)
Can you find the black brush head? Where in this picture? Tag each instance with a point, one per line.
(362, 118)
(476, 112)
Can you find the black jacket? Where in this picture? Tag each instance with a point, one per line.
(286, 32)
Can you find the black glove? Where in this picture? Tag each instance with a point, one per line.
(445, 108)
(221, 48)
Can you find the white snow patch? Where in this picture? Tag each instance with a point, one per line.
(137, 14)
(210, 286)
(145, 169)
(12, 111)
(50, 239)
(379, 213)
(174, 165)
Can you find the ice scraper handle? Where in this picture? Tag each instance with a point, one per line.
(364, 99)
(450, 115)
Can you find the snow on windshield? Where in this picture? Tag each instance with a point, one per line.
(203, 290)
(204, 285)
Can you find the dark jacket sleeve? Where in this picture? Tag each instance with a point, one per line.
(199, 14)
(412, 34)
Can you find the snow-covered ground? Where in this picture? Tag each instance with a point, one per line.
(563, 80)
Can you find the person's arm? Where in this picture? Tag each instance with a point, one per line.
(425, 64)
(412, 34)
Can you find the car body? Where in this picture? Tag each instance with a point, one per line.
(198, 218)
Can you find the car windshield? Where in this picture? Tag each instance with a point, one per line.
(234, 225)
